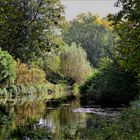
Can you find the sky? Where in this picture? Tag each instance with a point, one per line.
(100, 7)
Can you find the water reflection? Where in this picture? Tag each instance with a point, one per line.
(33, 119)
(63, 117)
(109, 112)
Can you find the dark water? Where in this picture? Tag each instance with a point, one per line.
(32, 118)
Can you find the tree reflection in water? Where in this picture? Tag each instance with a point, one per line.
(34, 120)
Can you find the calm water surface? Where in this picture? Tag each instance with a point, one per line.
(32, 118)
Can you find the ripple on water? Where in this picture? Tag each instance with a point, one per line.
(98, 111)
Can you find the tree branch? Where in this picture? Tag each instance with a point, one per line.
(40, 3)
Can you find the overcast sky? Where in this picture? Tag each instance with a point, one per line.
(100, 7)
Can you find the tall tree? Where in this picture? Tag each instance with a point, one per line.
(28, 26)
(93, 33)
(127, 26)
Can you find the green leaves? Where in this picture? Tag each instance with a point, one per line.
(7, 68)
(74, 64)
(111, 84)
(127, 25)
(27, 27)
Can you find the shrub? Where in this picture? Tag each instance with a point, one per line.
(28, 76)
(37, 76)
(74, 64)
(50, 64)
(111, 84)
(7, 68)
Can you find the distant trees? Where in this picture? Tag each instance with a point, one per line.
(28, 26)
(93, 33)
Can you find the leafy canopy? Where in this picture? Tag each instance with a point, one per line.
(127, 26)
(7, 68)
(29, 26)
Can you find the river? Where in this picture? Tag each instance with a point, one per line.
(32, 119)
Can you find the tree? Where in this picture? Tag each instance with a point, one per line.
(28, 26)
(127, 25)
(74, 64)
(94, 35)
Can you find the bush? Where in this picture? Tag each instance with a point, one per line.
(7, 68)
(111, 84)
(28, 76)
(50, 64)
(37, 76)
(74, 64)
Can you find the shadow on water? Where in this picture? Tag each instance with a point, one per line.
(36, 119)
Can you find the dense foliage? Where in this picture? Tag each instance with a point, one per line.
(31, 31)
(28, 26)
(118, 80)
(7, 68)
(111, 85)
(75, 64)
(93, 33)
(28, 76)
(127, 26)
(104, 61)
(50, 62)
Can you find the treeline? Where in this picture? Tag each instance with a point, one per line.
(39, 46)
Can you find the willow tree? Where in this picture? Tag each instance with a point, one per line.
(74, 64)
(28, 26)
